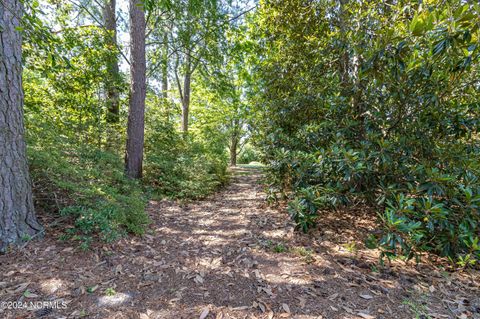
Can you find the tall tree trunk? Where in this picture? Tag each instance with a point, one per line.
(113, 73)
(234, 143)
(186, 94)
(165, 67)
(357, 102)
(166, 103)
(136, 112)
(17, 215)
(344, 60)
(233, 151)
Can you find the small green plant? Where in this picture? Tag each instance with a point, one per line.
(26, 237)
(466, 261)
(304, 252)
(401, 235)
(110, 292)
(95, 196)
(85, 243)
(303, 211)
(271, 197)
(279, 248)
(350, 247)
(417, 306)
(92, 289)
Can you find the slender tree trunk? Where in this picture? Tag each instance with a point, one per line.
(186, 94)
(344, 60)
(165, 67)
(136, 113)
(233, 151)
(357, 102)
(234, 143)
(113, 77)
(17, 215)
(166, 103)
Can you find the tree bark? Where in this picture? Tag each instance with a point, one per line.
(233, 151)
(17, 216)
(234, 143)
(136, 114)
(113, 77)
(186, 94)
(165, 66)
(357, 102)
(166, 103)
(344, 60)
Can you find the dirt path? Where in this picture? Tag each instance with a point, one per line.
(230, 256)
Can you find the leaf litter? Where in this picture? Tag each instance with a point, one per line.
(215, 258)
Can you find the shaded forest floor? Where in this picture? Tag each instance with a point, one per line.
(231, 256)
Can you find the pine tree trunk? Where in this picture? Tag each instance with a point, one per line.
(17, 216)
(186, 94)
(136, 114)
(165, 66)
(113, 77)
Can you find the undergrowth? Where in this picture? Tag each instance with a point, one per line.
(88, 186)
(85, 183)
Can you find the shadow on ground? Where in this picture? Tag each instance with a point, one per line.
(231, 256)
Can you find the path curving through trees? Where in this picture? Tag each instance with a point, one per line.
(228, 256)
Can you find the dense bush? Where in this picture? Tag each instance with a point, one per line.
(425, 208)
(386, 115)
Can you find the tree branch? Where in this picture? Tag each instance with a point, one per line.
(81, 6)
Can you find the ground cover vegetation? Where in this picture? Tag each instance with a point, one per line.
(347, 103)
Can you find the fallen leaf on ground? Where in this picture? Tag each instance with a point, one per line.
(365, 315)
(302, 302)
(204, 313)
(332, 297)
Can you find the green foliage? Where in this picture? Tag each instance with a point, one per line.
(303, 210)
(385, 114)
(72, 171)
(76, 155)
(110, 292)
(178, 167)
(192, 174)
(88, 185)
(279, 248)
(350, 102)
(248, 154)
